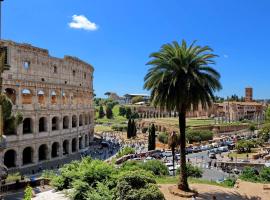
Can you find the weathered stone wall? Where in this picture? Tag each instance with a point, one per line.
(55, 97)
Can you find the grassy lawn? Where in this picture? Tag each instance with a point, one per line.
(117, 119)
(174, 180)
(102, 128)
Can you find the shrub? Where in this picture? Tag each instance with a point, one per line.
(244, 146)
(163, 138)
(101, 192)
(199, 135)
(27, 193)
(109, 113)
(155, 166)
(265, 174)
(192, 171)
(49, 174)
(249, 174)
(122, 111)
(137, 186)
(125, 151)
(101, 113)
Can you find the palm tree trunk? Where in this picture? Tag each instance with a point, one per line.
(183, 184)
(173, 154)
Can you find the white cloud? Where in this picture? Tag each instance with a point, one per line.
(81, 22)
(225, 56)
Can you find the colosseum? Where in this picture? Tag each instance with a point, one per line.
(55, 98)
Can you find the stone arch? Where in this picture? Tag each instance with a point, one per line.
(26, 96)
(80, 142)
(27, 125)
(74, 121)
(74, 145)
(65, 147)
(43, 152)
(86, 119)
(65, 122)
(64, 98)
(80, 120)
(42, 124)
(55, 150)
(55, 123)
(11, 94)
(27, 156)
(10, 158)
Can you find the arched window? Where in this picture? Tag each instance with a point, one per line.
(80, 143)
(74, 145)
(54, 69)
(43, 152)
(55, 150)
(26, 96)
(86, 141)
(80, 120)
(74, 121)
(85, 119)
(42, 124)
(65, 147)
(11, 94)
(53, 97)
(27, 126)
(41, 97)
(66, 122)
(10, 158)
(55, 123)
(27, 156)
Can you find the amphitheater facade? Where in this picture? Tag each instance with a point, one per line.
(55, 98)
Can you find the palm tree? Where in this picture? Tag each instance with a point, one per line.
(173, 142)
(180, 79)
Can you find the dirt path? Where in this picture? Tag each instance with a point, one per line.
(246, 191)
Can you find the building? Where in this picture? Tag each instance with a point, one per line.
(249, 94)
(239, 110)
(55, 98)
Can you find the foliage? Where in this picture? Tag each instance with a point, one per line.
(128, 112)
(109, 113)
(199, 135)
(181, 77)
(265, 174)
(137, 186)
(249, 174)
(154, 166)
(267, 114)
(12, 177)
(252, 127)
(264, 133)
(152, 138)
(192, 171)
(125, 151)
(10, 121)
(101, 192)
(137, 99)
(122, 111)
(244, 146)
(101, 113)
(163, 138)
(27, 193)
(49, 174)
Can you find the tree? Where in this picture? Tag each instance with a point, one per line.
(137, 99)
(181, 78)
(129, 129)
(163, 138)
(10, 120)
(267, 114)
(101, 113)
(134, 129)
(173, 142)
(109, 113)
(122, 111)
(128, 113)
(152, 138)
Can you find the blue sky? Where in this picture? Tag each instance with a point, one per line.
(120, 34)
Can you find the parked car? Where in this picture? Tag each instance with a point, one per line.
(212, 156)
